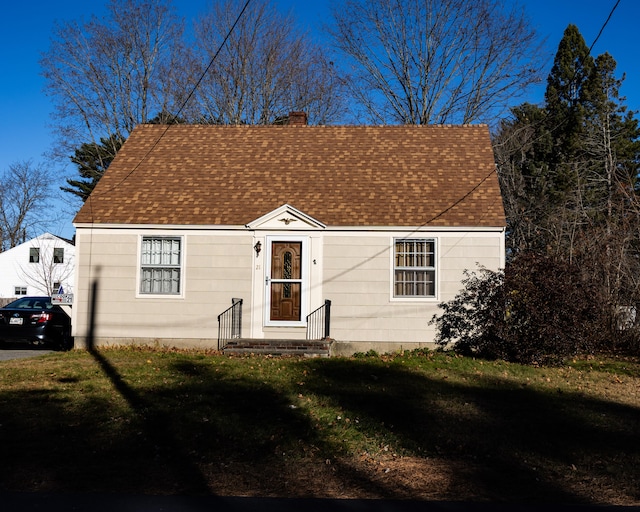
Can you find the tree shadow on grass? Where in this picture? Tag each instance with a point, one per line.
(209, 434)
(150, 438)
(517, 444)
(208, 430)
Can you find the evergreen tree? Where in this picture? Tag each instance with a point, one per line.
(611, 132)
(565, 108)
(92, 161)
(561, 163)
(569, 175)
(572, 68)
(521, 148)
(611, 143)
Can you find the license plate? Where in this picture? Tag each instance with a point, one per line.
(15, 321)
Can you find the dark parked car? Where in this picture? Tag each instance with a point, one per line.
(35, 320)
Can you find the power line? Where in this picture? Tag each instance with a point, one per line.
(155, 144)
(603, 26)
(215, 56)
(548, 116)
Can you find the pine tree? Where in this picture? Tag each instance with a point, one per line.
(564, 160)
(610, 131)
(569, 175)
(572, 67)
(565, 111)
(92, 161)
(521, 149)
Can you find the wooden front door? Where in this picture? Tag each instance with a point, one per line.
(286, 281)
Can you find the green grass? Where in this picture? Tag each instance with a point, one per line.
(142, 420)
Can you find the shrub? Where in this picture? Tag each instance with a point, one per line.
(472, 321)
(539, 310)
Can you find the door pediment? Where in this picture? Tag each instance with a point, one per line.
(286, 218)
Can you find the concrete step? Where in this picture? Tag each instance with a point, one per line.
(308, 348)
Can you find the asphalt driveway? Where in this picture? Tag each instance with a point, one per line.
(20, 352)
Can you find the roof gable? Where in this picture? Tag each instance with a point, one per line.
(339, 175)
(45, 239)
(286, 218)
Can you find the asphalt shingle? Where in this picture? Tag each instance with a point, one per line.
(339, 175)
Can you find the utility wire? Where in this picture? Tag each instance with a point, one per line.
(547, 116)
(215, 56)
(603, 26)
(164, 132)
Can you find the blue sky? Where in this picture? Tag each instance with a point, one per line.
(25, 29)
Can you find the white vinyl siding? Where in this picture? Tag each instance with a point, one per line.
(161, 266)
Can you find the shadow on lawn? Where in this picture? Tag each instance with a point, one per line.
(183, 474)
(209, 430)
(516, 443)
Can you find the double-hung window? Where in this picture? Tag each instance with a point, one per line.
(34, 255)
(58, 254)
(414, 270)
(161, 265)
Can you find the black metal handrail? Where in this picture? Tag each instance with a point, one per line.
(230, 323)
(319, 322)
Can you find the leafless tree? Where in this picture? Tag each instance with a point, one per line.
(25, 192)
(266, 69)
(435, 61)
(108, 75)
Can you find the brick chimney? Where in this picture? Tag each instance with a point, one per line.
(298, 118)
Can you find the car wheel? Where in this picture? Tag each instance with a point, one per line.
(66, 342)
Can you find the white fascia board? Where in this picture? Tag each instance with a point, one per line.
(420, 229)
(158, 227)
(243, 228)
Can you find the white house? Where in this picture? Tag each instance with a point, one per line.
(39, 266)
(380, 220)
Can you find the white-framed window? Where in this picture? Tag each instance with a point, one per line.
(161, 265)
(20, 290)
(58, 254)
(34, 255)
(414, 268)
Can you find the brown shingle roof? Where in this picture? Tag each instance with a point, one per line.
(339, 175)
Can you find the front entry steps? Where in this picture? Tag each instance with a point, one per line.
(307, 348)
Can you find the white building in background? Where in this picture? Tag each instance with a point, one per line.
(40, 266)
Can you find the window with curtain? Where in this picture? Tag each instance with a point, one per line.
(414, 267)
(161, 266)
(34, 255)
(58, 254)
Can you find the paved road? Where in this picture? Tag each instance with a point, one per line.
(21, 352)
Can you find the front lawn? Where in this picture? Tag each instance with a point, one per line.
(414, 425)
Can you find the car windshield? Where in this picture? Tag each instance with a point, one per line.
(30, 303)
